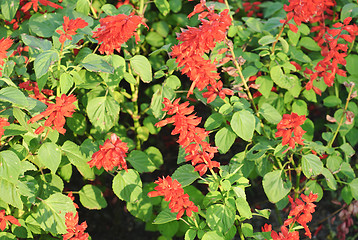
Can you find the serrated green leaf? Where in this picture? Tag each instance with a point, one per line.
(311, 165)
(142, 67)
(243, 124)
(127, 185)
(44, 61)
(275, 187)
(224, 139)
(141, 162)
(185, 175)
(49, 155)
(91, 197)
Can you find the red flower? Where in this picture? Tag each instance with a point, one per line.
(5, 219)
(70, 195)
(74, 231)
(3, 123)
(215, 90)
(289, 124)
(5, 44)
(110, 155)
(33, 86)
(266, 228)
(70, 27)
(301, 211)
(56, 113)
(35, 5)
(116, 30)
(191, 137)
(195, 42)
(285, 235)
(174, 193)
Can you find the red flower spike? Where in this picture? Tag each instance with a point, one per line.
(111, 154)
(74, 230)
(33, 86)
(291, 123)
(70, 26)
(3, 123)
(4, 220)
(35, 5)
(116, 30)
(191, 137)
(5, 44)
(174, 194)
(56, 113)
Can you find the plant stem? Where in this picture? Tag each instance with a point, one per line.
(277, 37)
(342, 117)
(92, 10)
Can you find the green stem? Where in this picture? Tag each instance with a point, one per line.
(278, 215)
(342, 117)
(277, 37)
(135, 114)
(92, 10)
(240, 232)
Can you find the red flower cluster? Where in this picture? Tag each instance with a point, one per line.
(74, 230)
(3, 123)
(195, 42)
(56, 113)
(116, 30)
(291, 123)
(33, 86)
(70, 27)
(252, 8)
(174, 193)
(5, 44)
(333, 53)
(4, 220)
(305, 11)
(70, 195)
(35, 5)
(301, 212)
(110, 155)
(216, 90)
(191, 137)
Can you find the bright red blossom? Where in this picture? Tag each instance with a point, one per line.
(5, 44)
(195, 42)
(3, 123)
(56, 113)
(174, 193)
(291, 123)
(70, 26)
(116, 30)
(35, 5)
(74, 230)
(216, 90)
(111, 154)
(191, 137)
(4, 220)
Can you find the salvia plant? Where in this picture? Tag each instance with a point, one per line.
(227, 119)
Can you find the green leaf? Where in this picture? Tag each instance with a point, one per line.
(36, 43)
(247, 229)
(266, 85)
(43, 62)
(220, 217)
(110, 10)
(214, 121)
(155, 39)
(243, 207)
(185, 175)
(213, 235)
(91, 197)
(284, 44)
(10, 193)
(309, 44)
(7, 236)
(331, 101)
(314, 187)
(268, 39)
(224, 139)
(50, 214)
(346, 194)
(254, 24)
(190, 234)
(9, 166)
(77, 123)
(44, 25)
(243, 124)
(173, 82)
(83, 6)
(127, 185)
(66, 82)
(275, 187)
(354, 188)
(142, 67)
(78, 159)
(165, 216)
(299, 107)
(9, 8)
(270, 113)
(163, 6)
(311, 165)
(129, 78)
(175, 5)
(96, 63)
(13, 95)
(348, 10)
(280, 78)
(141, 162)
(50, 156)
(331, 181)
(103, 112)
(155, 156)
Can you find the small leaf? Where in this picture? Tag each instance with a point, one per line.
(163, 6)
(43, 62)
(96, 63)
(274, 186)
(14, 96)
(311, 165)
(270, 113)
(91, 197)
(185, 175)
(127, 185)
(141, 162)
(165, 216)
(224, 139)
(50, 156)
(243, 124)
(142, 67)
(220, 217)
(9, 8)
